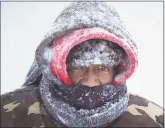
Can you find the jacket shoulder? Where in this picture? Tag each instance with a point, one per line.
(21, 107)
(141, 113)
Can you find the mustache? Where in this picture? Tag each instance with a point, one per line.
(81, 96)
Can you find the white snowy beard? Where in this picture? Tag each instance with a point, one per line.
(72, 117)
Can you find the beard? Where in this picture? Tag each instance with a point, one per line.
(81, 96)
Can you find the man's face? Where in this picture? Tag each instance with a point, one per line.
(92, 75)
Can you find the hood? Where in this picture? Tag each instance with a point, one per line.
(79, 22)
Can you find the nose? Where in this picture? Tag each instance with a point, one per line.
(90, 79)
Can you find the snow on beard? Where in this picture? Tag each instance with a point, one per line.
(93, 51)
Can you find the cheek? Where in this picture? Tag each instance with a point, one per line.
(106, 78)
(75, 76)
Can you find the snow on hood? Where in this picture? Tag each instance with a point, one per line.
(79, 22)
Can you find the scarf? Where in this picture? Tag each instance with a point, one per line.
(71, 116)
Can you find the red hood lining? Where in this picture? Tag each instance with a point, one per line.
(63, 46)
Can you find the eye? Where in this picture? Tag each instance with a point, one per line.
(80, 67)
(103, 68)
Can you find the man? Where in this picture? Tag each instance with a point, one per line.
(78, 78)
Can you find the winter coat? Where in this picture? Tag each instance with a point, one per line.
(24, 108)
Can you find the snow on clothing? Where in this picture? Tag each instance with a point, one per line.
(96, 51)
(79, 22)
(24, 107)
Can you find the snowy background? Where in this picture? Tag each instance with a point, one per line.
(23, 25)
